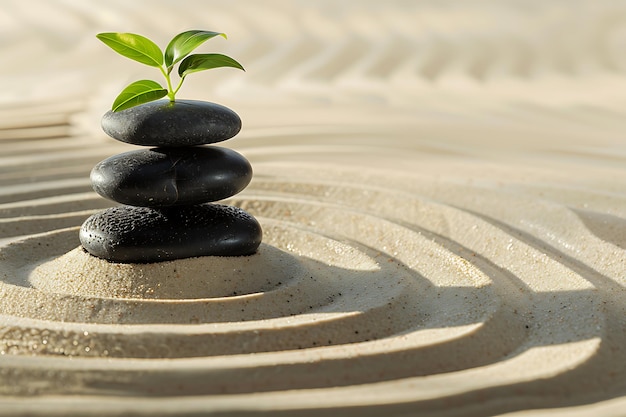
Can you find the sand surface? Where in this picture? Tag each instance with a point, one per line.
(441, 187)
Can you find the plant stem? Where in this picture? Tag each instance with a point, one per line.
(180, 84)
(171, 93)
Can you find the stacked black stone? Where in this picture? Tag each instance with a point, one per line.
(168, 192)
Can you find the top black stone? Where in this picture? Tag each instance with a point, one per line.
(181, 123)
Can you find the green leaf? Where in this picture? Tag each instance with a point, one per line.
(185, 42)
(201, 62)
(137, 93)
(134, 46)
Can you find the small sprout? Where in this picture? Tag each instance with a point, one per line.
(142, 49)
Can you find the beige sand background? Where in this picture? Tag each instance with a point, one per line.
(442, 190)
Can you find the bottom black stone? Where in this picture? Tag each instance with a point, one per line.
(130, 234)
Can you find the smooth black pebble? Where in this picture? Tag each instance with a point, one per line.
(181, 123)
(129, 234)
(161, 177)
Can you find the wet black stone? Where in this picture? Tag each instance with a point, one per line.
(171, 176)
(182, 123)
(129, 234)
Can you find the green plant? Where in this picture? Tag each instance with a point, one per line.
(142, 49)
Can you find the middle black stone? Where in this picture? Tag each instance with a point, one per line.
(161, 177)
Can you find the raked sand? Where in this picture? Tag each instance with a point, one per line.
(442, 192)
